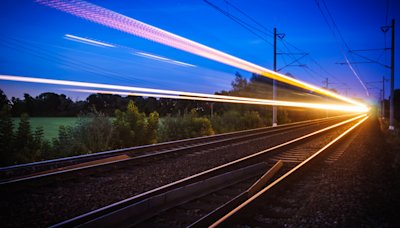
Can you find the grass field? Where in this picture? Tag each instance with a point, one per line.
(50, 124)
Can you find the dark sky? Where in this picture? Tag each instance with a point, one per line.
(358, 21)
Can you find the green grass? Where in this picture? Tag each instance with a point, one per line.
(50, 124)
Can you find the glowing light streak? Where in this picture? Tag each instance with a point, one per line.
(190, 96)
(123, 23)
(263, 102)
(89, 41)
(155, 57)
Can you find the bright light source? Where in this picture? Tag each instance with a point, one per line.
(123, 23)
(182, 95)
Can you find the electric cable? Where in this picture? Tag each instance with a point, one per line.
(129, 80)
(341, 47)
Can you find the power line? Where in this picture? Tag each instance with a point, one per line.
(339, 43)
(80, 66)
(384, 35)
(237, 20)
(249, 17)
(343, 40)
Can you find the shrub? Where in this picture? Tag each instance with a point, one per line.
(251, 120)
(233, 121)
(228, 122)
(93, 132)
(133, 129)
(183, 127)
(152, 124)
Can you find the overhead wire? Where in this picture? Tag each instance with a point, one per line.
(123, 23)
(340, 45)
(283, 41)
(242, 23)
(384, 34)
(100, 72)
(249, 17)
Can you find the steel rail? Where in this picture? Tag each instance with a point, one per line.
(121, 209)
(36, 167)
(234, 216)
(193, 144)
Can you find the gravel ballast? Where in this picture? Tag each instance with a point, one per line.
(49, 205)
(360, 189)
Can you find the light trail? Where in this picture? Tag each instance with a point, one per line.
(123, 23)
(261, 102)
(87, 40)
(187, 95)
(141, 54)
(155, 57)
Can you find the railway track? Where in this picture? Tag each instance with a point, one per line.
(54, 171)
(224, 195)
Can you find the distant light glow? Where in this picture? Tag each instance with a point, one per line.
(183, 95)
(123, 23)
(90, 41)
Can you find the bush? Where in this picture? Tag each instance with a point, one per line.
(93, 132)
(233, 121)
(183, 127)
(152, 124)
(228, 122)
(133, 129)
(251, 120)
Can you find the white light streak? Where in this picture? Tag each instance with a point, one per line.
(155, 57)
(90, 41)
(123, 23)
(187, 95)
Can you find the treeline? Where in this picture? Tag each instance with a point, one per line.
(95, 131)
(137, 120)
(55, 105)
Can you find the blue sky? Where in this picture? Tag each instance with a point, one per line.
(25, 20)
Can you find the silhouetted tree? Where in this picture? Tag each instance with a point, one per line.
(3, 99)
(6, 136)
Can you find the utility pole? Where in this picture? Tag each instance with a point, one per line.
(383, 98)
(212, 113)
(327, 84)
(391, 121)
(274, 111)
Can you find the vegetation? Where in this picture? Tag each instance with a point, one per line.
(137, 120)
(183, 127)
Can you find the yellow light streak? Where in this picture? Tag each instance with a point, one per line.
(260, 102)
(183, 95)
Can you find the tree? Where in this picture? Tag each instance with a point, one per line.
(152, 123)
(17, 107)
(24, 135)
(130, 125)
(125, 136)
(6, 136)
(30, 105)
(48, 104)
(239, 83)
(3, 99)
